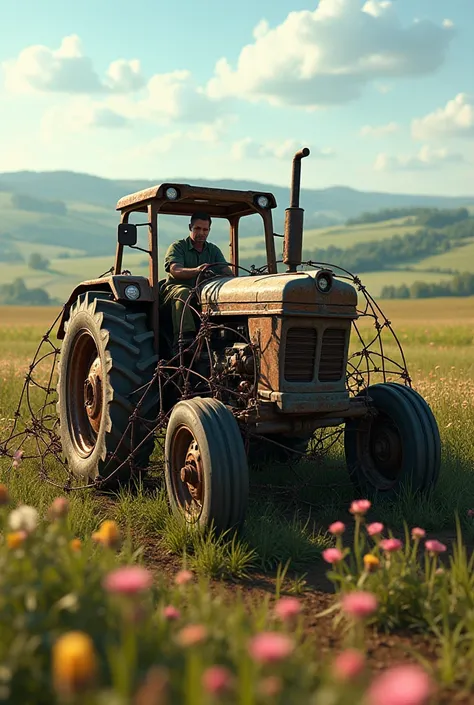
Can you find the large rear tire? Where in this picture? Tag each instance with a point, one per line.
(107, 360)
(397, 447)
(206, 468)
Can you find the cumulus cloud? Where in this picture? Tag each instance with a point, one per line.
(67, 70)
(456, 119)
(379, 130)
(78, 115)
(426, 159)
(209, 135)
(248, 148)
(328, 55)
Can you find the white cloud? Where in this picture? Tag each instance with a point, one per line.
(248, 148)
(456, 119)
(78, 115)
(379, 130)
(209, 134)
(66, 70)
(426, 159)
(328, 55)
(448, 24)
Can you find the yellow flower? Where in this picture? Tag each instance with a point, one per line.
(15, 539)
(75, 544)
(74, 663)
(108, 534)
(371, 562)
(4, 498)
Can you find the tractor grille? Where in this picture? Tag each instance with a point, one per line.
(331, 364)
(300, 354)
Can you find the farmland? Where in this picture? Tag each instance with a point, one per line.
(287, 525)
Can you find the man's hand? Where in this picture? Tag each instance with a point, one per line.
(180, 272)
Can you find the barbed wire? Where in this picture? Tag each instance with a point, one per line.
(34, 433)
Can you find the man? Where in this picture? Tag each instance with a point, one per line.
(184, 260)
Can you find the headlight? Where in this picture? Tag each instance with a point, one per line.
(324, 282)
(171, 193)
(132, 292)
(262, 202)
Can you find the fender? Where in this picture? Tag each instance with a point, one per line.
(116, 285)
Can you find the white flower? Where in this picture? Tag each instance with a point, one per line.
(24, 518)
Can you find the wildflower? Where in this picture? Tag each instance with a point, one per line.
(183, 577)
(153, 691)
(270, 686)
(108, 534)
(270, 647)
(332, 555)
(390, 545)
(216, 679)
(171, 613)
(4, 497)
(433, 546)
(401, 685)
(24, 518)
(128, 580)
(287, 608)
(360, 507)
(375, 529)
(58, 509)
(348, 665)
(17, 458)
(418, 533)
(74, 663)
(16, 539)
(371, 562)
(192, 634)
(337, 528)
(359, 604)
(470, 513)
(75, 544)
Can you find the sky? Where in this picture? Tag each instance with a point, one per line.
(381, 92)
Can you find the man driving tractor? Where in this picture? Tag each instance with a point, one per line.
(184, 260)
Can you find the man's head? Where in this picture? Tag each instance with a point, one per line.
(199, 227)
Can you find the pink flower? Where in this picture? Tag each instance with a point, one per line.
(390, 545)
(270, 647)
(332, 555)
(359, 604)
(17, 457)
(337, 528)
(216, 679)
(287, 608)
(192, 634)
(434, 546)
(375, 529)
(360, 506)
(470, 513)
(128, 580)
(418, 533)
(183, 577)
(171, 613)
(270, 686)
(348, 665)
(58, 509)
(401, 685)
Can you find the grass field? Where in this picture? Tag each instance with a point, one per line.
(290, 509)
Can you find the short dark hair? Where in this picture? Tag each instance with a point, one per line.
(200, 215)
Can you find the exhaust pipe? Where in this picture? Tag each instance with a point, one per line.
(293, 242)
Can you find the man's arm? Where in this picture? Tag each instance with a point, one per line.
(174, 263)
(179, 272)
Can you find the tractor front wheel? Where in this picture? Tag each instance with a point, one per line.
(206, 468)
(397, 446)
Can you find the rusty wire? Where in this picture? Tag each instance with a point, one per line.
(34, 433)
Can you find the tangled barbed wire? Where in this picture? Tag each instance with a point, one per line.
(194, 370)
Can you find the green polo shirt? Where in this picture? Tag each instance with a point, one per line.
(184, 253)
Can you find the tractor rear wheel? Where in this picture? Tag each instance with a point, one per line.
(107, 360)
(399, 446)
(206, 468)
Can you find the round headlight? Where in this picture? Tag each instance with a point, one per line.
(171, 193)
(262, 202)
(324, 282)
(132, 292)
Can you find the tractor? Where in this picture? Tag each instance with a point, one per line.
(269, 363)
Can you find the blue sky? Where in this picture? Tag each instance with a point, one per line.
(382, 92)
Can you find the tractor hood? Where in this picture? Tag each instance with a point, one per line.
(276, 294)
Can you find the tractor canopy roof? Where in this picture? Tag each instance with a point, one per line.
(183, 199)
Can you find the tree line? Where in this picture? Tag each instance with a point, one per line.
(430, 217)
(460, 285)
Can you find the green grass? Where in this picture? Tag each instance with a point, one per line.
(460, 259)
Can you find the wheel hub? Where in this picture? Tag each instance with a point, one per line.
(93, 395)
(386, 450)
(191, 472)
